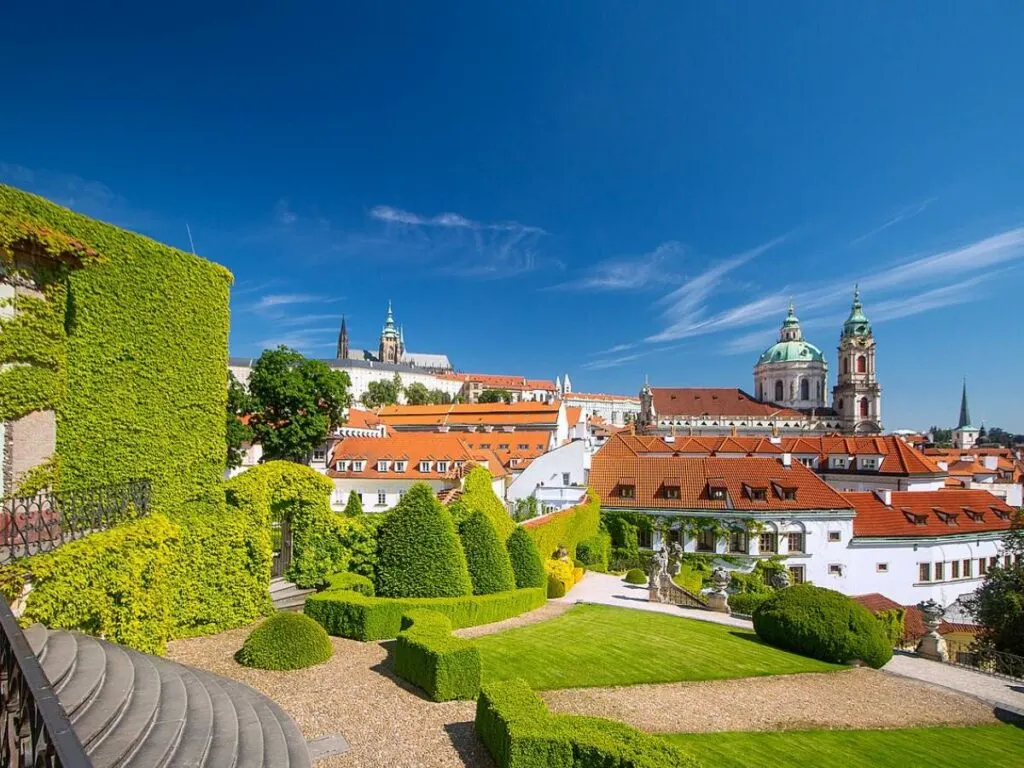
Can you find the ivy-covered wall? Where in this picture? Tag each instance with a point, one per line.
(143, 390)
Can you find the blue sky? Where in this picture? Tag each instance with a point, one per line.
(602, 188)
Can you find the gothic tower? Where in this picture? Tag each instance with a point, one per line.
(343, 341)
(857, 396)
(965, 435)
(390, 350)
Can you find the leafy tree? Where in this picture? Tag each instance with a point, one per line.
(495, 396)
(525, 509)
(998, 604)
(941, 436)
(295, 403)
(381, 393)
(238, 432)
(417, 394)
(354, 505)
(439, 397)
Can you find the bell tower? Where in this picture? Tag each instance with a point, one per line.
(857, 396)
(390, 339)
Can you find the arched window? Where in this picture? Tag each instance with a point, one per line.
(805, 389)
(779, 391)
(839, 407)
(863, 407)
(846, 365)
(862, 364)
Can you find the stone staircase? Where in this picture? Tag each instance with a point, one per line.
(286, 596)
(132, 709)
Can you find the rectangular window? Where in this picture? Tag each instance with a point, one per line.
(442, 466)
(706, 540)
(357, 466)
(796, 574)
(835, 536)
(993, 562)
(807, 462)
(644, 538)
(566, 478)
(717, 494)
(982, 566)
(769, 542)
(739, 542)
(671, 492)
(796, 542)
(627, 491)
(967, 569)
(835, 569)
(523, 446)
(382, 498)
(940, 571)
(320, 454)
(758, 494)
(925, 572)
(954, 569)
(1007, 561)
(382, 466)
(882, 567)
(400, 466)
(424, 466)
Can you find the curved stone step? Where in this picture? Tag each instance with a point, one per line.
(275, 746)
(224, 740)
(194, 738)
(250, 730)
(85, 677)
(167, 724)
(110, 698)
(58, 656)
(137, 716)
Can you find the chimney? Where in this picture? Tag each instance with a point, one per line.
(787, 459)
(990, 462)
(775, 440)
(884, 495)
(669, 438)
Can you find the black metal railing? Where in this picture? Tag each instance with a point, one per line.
(33, 524)
(984, 660)
(34, 731)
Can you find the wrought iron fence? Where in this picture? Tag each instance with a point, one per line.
(993, 662)
(34, 729)
(33, 524)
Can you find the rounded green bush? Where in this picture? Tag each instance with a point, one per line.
(418, 550)
(822, 624)
(285, 641)
(635, 576)
(489, 566)
(747, 602)
(526, 562)
(353, 582)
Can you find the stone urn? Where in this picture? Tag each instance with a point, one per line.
(561, 553)
(932, 645)
(718, 598)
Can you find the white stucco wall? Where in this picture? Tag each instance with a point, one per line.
(546, 477)
(370, 487)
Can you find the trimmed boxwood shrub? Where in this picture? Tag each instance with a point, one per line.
(561, 577)
(429, 656)
(285, 641)
(354, 582)
(526, 562)
(822, 624)
(486, 557)
(478, 496)
(519, 732)
(418, 551)
(635, 576)
(357, 543)
(747, 602)
(355, 616)
(566, 528)
(595, 551)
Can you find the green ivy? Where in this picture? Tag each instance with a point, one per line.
(566, 528)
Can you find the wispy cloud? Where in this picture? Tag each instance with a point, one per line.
(907, 213)
(282, 299)
(283, 213)
(629, 273)
(391, 215)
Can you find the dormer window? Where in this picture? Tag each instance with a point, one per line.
(382, 466)
(949, 518)
(523, 446)
(975, 515)
(1002, 515)
(357, 465)
(838, 462)
(400, 466)
(671, 491)
(627, 491)
(717, 494)
(756, 494)
(789, 494)
(442, 466)
(914, 517)
(341, 465)
(869, 463)
(424, 466)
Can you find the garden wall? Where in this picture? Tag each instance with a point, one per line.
(566, 528)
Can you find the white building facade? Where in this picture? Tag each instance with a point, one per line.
(792, 372)
(557, 480)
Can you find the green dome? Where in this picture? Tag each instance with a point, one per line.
(857, 324)
(792, 351)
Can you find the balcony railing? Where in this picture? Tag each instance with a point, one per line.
(993, 662)
(34, 731)
(33, 524)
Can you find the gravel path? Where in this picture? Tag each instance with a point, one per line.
(857, 698)
(386, 724)
(549, 610)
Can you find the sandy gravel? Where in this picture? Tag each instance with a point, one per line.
(386, 724)
(547, 611)
(856, 698)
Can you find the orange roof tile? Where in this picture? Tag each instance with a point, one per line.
(362, 419)
(412, 448)
(499, 381)
(599, 396)
(543, 415)
(572, 414)
(714, 401)
(515, 450)
(926, 514)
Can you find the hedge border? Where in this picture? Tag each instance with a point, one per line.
(429, 656)
(566, 528)
(519, 731)
(358, 617)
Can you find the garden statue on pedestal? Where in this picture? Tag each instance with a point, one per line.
(779, 578)
(718, 599)
(932, 645)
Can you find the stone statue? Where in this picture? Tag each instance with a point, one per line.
(779, 578)
(932, 645)
(720, 579)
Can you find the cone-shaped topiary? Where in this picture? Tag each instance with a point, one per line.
(478, 496)
(285, 641)
(489, 566)
(354, 505)
(418, 550)
(526, 563)
(823, 624)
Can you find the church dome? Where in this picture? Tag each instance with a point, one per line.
(857, 324)
(791, 351)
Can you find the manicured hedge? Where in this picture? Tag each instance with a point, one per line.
(526, 561)
(595, 551)
(486, 557)
(418, 550)
(285, 641)
(635, 576)
(566, 528)
(822, 624)
(357, 542)
(747, 602)
(478, 496)
(303, 495)
(355, 616)
(519, 732)
(561, 577)
(354, 582)
(429, 656)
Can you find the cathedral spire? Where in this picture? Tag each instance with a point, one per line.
(965, 412)
(343, 341)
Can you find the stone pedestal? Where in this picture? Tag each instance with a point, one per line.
(932, 645)
(718, 601)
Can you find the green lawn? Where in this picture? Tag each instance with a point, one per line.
(992, 746)
(595, 645)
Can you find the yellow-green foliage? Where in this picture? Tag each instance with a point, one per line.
(566, 528)
(142, 391)
(428, 655)
(303, 496)
(285, 641)
(115, 583)
(561, 577)
(478, 496)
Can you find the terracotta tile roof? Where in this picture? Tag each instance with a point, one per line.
(714, 401)
(927, 514)
(572, 414)
(498, 381)
(412, 448)
(598, 396)
(362, 419)
(520, 448)
(472, 414)
(680, 482)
